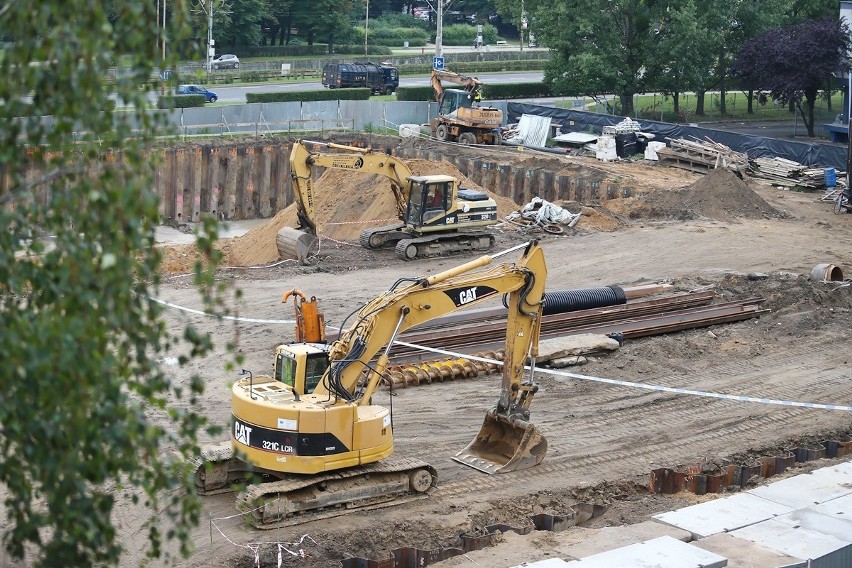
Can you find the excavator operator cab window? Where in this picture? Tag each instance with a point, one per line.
(285, 369)
(315, 368)
(415, 203)
(436, 200)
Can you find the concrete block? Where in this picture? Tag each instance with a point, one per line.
(723, 515)
(608, 538)
(662, 552)
(573, 345)
(744, 554)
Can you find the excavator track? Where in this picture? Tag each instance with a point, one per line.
(438, 245)
(297, 499)
(379, 237)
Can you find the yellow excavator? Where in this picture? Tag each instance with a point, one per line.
(323, 453)
(460, 118)
(437, 216)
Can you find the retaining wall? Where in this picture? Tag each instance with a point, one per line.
(249, 180)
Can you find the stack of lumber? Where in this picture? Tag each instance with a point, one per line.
(790, 173)
(702, 156)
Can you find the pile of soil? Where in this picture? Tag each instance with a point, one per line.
(719, 195)
(345, 205)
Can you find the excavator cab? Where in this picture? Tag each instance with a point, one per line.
(453, 99)
(429, 200)
(300, 366)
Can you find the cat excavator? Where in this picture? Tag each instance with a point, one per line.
(436, 215)
(460, 118)
(323, 453)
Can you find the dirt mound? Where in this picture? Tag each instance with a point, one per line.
(720, 195)
(345, 205)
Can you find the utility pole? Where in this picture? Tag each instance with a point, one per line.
(366, 25)
(439, 35)
(523, 25)
(210, 36)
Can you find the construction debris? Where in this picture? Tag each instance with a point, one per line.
(702, 156)
(545, 215)
(792, 174)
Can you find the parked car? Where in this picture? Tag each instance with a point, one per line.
(226, 61)
(210, 96)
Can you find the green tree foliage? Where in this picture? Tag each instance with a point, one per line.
(598, 46)
(89, 416)
(792, 63)
(238, 22)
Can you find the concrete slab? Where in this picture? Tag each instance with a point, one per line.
(833, 518)
(807, 489)
(608, 538)
(744, 554)
(723, 515)
(799, 542)
(227, 229)
(662, 552)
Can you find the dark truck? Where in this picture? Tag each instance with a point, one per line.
(381, 79)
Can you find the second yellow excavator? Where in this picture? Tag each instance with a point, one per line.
(437, 216)
(329, 451)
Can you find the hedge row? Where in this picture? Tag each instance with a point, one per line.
(303, 50)
(181, 101)
(325, 95)
(491, 92)
(472, 67)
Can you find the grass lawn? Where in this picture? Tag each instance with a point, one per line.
(658, 107)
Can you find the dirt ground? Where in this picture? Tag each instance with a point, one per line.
(742, 239)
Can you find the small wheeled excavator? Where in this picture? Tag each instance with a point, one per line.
(436, 215)
(460, 119)
(327, 452)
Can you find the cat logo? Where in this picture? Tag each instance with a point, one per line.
(467, 296)
(242, 433)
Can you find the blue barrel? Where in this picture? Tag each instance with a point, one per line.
(830, 177)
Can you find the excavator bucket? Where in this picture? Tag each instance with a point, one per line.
(293, 243)
(504, 445)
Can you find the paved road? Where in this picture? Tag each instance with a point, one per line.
(238, 94)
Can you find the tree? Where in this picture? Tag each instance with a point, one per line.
(239, 22)
(89, 417)
(598, 46)
(793, 63)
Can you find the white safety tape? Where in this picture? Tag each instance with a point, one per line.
(645, 386)
(232, 318)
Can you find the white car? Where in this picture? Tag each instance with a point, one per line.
(226, 61)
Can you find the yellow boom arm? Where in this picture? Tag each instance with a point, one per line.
(303, 160)
(414, 301)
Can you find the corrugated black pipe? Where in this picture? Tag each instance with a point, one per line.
(582, 299)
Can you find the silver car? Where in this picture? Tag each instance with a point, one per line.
(226, 61)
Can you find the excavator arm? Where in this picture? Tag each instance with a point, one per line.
(470, 84)
(303, 160)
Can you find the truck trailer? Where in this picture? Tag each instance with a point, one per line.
(380, 79)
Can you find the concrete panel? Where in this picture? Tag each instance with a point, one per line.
(607, 538)
(278, 115)
(798, 542)
(723, 515)
(744, 554)
(807, 489)
(406, 112)
(662, 552)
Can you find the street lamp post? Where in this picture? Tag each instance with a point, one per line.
(439, 34)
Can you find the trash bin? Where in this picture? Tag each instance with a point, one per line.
(405, 44)
(830, 177)
(625, 144)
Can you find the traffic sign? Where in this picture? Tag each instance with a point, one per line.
(438, 63)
